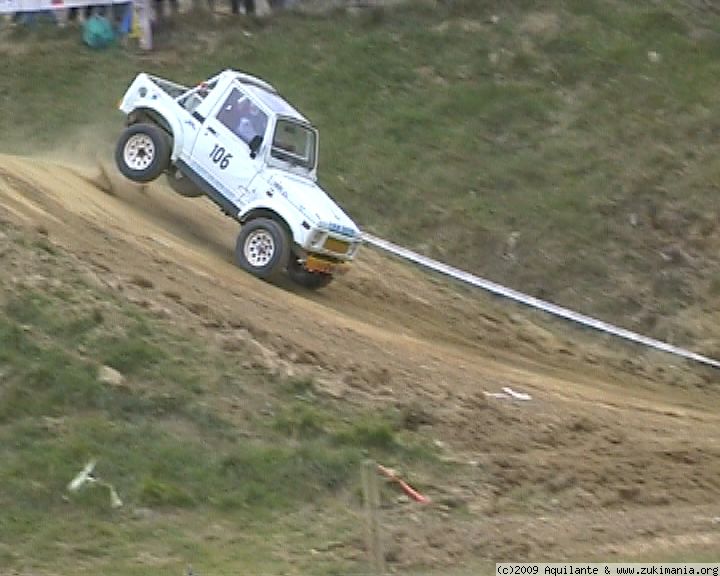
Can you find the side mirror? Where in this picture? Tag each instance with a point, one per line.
(255, 144)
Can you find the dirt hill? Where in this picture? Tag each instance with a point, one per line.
(613, 457)
(566, 149)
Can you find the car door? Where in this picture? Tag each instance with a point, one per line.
(221, 154)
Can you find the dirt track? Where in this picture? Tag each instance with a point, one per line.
(609, 459)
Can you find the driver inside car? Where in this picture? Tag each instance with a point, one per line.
(252, 121)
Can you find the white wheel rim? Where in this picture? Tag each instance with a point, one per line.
(139, 151)
(259, 248)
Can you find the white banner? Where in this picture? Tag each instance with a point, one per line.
(533, 302)
(13, 6)
(7, 6)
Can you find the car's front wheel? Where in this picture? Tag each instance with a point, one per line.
(142, 152)
(262, 248)
(306, 278)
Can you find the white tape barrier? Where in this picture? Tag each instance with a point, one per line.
(533, 302)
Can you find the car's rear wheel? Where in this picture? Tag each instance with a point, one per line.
(306, 278)
(262, 248)
(142, 152)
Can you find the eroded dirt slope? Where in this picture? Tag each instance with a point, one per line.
(616, 454)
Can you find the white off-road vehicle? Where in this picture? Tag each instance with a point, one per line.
(234, 139)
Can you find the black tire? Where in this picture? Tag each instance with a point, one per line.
(262, 248)
(142, 152)
(305, 278)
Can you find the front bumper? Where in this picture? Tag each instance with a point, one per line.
(332, 245)
(324, 265)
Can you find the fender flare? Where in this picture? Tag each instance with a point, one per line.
(266, 212)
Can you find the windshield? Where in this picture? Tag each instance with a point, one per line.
(294, 143)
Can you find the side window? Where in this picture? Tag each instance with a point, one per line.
(241, 116)
(197, 95)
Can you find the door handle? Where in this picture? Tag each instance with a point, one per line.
(211, 130)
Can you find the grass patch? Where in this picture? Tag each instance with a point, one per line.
(131, 354)
(300, 421)
(271, 477)
(155, 493)
(368, 433)
(593, 155)
(163, 437)
(469, 129)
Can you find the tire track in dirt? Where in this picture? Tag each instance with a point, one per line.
(605, 435)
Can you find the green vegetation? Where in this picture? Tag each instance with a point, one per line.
(565, 148)
(568, 149)
(165, 438)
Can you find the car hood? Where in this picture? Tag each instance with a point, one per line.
(312, 201)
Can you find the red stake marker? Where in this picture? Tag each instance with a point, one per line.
(409, 490)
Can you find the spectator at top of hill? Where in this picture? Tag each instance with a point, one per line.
(159, 8)
(248, 5)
